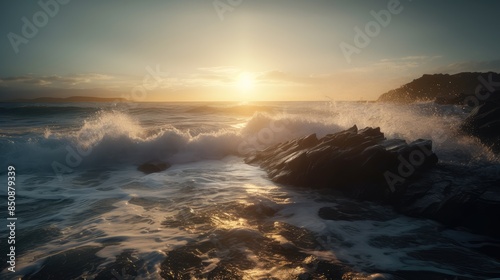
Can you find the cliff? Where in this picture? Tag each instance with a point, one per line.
(442, 88)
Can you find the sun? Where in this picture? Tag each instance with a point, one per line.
(245, 81)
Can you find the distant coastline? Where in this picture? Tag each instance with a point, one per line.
(65, 100)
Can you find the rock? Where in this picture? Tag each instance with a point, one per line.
(153, 166)
(354, 162)
(451, 99)
(484, 122)
(441, 88)
(363, 164)
(457, 196)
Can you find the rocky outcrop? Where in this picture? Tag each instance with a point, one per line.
(153, 166)
(484, 121)
(442, 88)
(458, 196)
(363, 164)
(357, 163)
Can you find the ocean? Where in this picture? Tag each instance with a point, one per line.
(84, 211)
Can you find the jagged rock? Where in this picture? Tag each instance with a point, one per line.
(363, 164)
(358, 163)
(484, 121)
(153, 166)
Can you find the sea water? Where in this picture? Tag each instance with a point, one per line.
(84, 211)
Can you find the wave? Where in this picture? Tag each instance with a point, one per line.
(109, 138)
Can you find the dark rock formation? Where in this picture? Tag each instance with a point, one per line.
(360, 164)
(153, 166)
(363, 164)
(484, 121)
(457, 196)
(442, 88)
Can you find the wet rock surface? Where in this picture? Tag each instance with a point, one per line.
(358, 163)
(153, 166)
(363, 164)
(457, 196)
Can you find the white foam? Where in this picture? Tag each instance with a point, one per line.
(113, 137)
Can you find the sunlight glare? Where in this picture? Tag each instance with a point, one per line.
(245, 81)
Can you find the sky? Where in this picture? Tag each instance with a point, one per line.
(239, 50)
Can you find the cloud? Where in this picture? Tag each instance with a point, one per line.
(277, 76)
(227, 75)
(71, 80)
(220, 69)
(38, 82)
(211, 76)
(15, 79)
(368, 81)
(471, 66)
(77, 78)
(407, 62)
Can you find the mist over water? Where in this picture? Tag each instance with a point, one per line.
(192, 132)
(210, 211)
